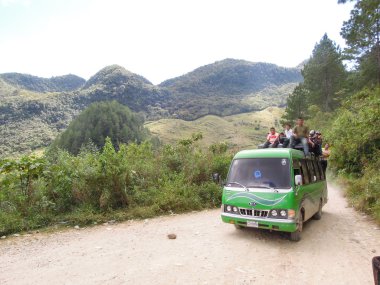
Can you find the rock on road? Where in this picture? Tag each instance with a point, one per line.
(335, 250)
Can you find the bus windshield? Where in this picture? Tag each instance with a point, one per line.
(260, 172)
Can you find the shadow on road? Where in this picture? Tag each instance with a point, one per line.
(311, 228)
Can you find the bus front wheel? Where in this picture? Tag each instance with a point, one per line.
(296, 236)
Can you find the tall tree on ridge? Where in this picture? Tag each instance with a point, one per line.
(362, 35)
(296, 104)
(324, 75)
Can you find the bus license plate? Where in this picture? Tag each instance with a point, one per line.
(252, 224)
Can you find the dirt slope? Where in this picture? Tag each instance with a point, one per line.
(335, 250)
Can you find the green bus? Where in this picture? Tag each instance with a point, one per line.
(275, 189)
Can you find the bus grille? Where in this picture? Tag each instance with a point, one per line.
(254, 213)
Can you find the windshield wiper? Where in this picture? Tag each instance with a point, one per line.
(245, 187)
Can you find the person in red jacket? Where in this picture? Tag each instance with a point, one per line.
(272, 139)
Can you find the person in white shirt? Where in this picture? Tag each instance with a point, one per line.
(288, 133)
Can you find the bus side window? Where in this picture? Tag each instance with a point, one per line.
(311, 171)
(296, 164)
(305, 172)
(321, 170)
(296, 168)
(316, 170)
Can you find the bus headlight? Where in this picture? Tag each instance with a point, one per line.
(278, 213)
(231, 209)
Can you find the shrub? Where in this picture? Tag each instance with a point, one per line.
(135, 178)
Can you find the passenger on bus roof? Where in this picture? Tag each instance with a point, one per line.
(315, 142)
(300, 135)
(288, 132)
(272, 139)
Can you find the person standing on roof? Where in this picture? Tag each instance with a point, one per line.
(300, 135)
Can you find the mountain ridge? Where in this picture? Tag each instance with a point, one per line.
(235, 73)
(222, 88)
(69, 82)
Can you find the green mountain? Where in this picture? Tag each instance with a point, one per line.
(33, 110)
(68, 82)
(231, 77)
(230, 87)
(116, 83)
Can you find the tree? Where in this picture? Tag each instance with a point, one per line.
(99, 121)
(324, 79)
(296, 104)
(355, 132)
(362, 35)
(324, 75)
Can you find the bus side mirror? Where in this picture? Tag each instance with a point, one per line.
(376, 269)
(298, 179)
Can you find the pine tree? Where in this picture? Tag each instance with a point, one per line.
(362, 35)
(324, 75)
(296, 104)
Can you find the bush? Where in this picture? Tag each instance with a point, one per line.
(355, 133)
(134, 179)
(364, 192)
(356, 148)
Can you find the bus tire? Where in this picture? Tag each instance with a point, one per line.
(318, 215)
(296, 236)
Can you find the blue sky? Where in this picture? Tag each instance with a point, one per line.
(160, 39)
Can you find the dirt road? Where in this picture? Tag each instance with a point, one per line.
(335, 250)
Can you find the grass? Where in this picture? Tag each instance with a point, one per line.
(240, 131)
(270, 96)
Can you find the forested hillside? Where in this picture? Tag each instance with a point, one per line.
(231, 77)
(33, 110)
(68, 82)
(230, 87)
(345, 104)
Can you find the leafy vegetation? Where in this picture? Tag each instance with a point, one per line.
(356, 137)
(360, 112)
(362, 35)
(241, 131)
(134, 181)
(229, 87)
(231, 77)
(323, 86)
(32, 115)
(345, 104)
(68, 82)
(101, 120)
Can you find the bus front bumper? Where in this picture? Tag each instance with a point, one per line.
(283, 225)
